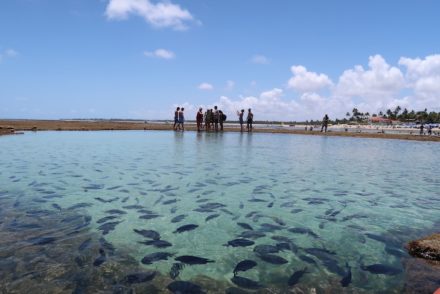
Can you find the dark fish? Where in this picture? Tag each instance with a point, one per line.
(106, 200)
(148, 234)
(85, 244)
(149, 216)
(287, 246)
(185, 228)
(169, 202)
(108, 227)
(245, 226)
(157, 243)
(178, 218)
(272, 258)
(280, 238)
(350, 217)
(252, 234)
(227, 211)
(175, 270)
(157, 256)
(241, 205)
(191, 260)
(384, 239)
(296, 210)
(115, 211)
(183, 287)
(381, 269)
(235, 290)
(303, 231)
(270, 205)
(141, 277)
(244, 265)
(41, 240)
(288, 204)
(296, 276)
(250, 214)
(307, 259)
(265, 227)
(101, 259)
(212, 216)
(56, 206)
(106, 218)
(346, 279)
(212, 205)
(240, 243)
(278, 221)
(80, 205)
(125, 199)
(134, 206)
(245, 283)
(264, 249)
(257, 200)
(395, 251)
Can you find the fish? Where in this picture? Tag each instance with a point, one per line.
(257, 200)
(56, 206)
(41, 240)
(250, 214)
(241, 206)
(270, 204)
(296, 277)
(183, 287)
(246, 283)
(191, 260)
(170, 201)
(346, 279)
(245, 226)
(265, 227)
(178, 218)
(106, 218)
(114, 187)
(288, 204)
(101, 258)
(85, 244)
(106, 200)
(157, 256)
(350, 217)
(157, 243)
(240, 243)
(175, 270)
(149, 216)
(212, 216)
(307, 259)
(252, 234)
(108, 227)
(296, 210)
(134, 206)
(264, 249)
(139, 277)
(381, 269)
(244, 265)
(115, 211)
(384, 239)
(395, 251)
(303, 231)
(186, 228)
(280, 238)
(287, 246)
(125, 199)
(151, 234)
(272, 258)
(80, 205)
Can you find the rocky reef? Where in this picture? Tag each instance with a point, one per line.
(427, 248)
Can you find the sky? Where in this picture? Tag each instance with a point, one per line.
(288, 60)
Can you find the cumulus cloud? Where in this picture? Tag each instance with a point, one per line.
(160, 53)
(260, 59)
(307, 81)
(205, 86)
(163, 14)
(413, 83)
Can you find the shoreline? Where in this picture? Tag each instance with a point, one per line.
(107, 125)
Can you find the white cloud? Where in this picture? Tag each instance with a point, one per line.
(160, 53)
(205, 86)
(415, 85)
(8, 53)
(260, 59)
(163, 14)
(307, 81)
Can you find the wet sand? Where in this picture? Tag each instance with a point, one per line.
(101, 125)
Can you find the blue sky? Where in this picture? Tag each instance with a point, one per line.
(140, 58)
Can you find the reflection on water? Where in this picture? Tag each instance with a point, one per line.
(205, 212)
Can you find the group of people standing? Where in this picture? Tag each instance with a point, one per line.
(211, 119)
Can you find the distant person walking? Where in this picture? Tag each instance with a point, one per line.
(176, 118)
(240, 119)
(421, 129)
(216, 118)
(324, 123)
(181, 119)
(429, 130)
(250, 120)
(199, 119)
(222, 118)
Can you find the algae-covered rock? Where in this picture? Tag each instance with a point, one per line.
(427, 248)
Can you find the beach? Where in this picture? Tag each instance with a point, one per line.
(377, 132)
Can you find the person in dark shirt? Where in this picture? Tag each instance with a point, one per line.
(324, 123)
(176, 118)
(240, 119)
(199, 119)
(250, 120)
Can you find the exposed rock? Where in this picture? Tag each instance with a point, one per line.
(427, 248)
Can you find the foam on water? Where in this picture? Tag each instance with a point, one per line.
(344, 190)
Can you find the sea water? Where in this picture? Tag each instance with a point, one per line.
(340, 205)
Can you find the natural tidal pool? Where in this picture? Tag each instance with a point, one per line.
(85, 212)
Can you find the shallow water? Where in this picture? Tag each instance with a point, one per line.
(346, 201)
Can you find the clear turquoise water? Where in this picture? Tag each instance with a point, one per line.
(387, 188)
